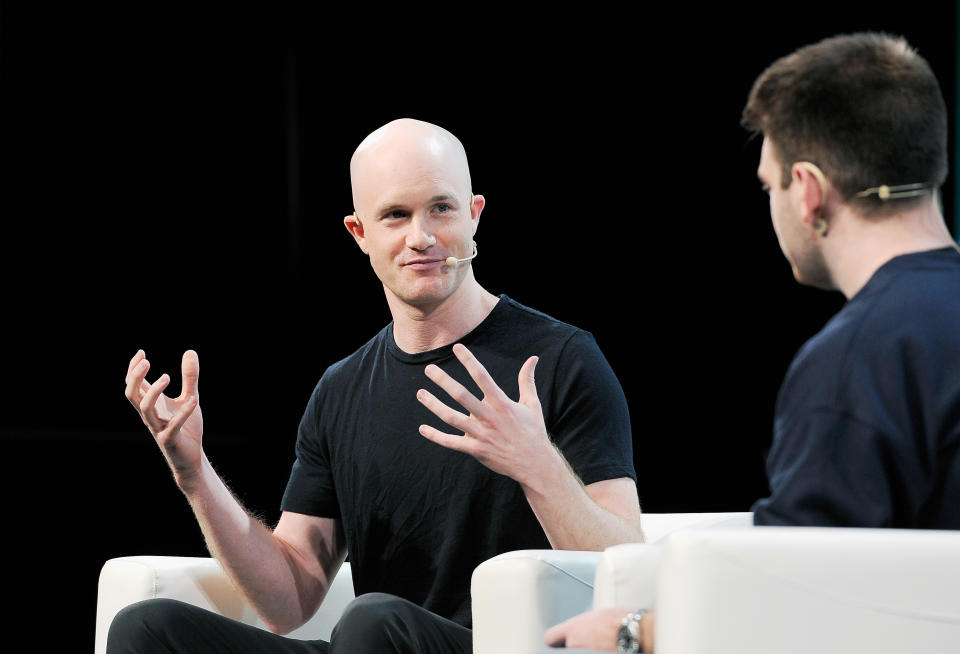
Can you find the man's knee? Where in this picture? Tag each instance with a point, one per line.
(371, 609)
(379, 622)
(141, 627)
(370, 617)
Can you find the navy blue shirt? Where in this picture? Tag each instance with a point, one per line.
(867, 424)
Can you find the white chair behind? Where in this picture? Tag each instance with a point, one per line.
(202, 582)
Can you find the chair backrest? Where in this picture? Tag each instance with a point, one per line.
(657, 526)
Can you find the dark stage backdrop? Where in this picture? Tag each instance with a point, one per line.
(177, 179)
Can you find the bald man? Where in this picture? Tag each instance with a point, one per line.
(469, 426)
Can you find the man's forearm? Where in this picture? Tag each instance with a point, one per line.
(571, 519)
(260, 565)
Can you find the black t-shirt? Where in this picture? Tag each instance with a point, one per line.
(417, 517)
(867, 425)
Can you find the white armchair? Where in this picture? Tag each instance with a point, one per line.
(803, 589)
(516, 596)
(202, 582)
(739, 591)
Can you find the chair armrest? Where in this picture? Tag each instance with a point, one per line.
(797, 589)
(518, 595)
(202, 582)
(627, 574)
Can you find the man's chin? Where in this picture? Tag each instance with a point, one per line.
(819, 279)
(424, 297)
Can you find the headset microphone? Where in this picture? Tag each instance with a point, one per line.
(453, 261)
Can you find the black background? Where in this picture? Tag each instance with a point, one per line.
(177, 178)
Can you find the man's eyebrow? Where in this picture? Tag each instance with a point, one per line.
(387, 208)
(390, 208)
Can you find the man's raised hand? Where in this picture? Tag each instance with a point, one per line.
(176, 423)
(506, 436)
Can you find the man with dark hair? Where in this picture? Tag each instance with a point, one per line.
(862, 107)
(867, 421)
(867, 424)
(376, 474)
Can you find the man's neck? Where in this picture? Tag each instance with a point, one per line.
(860, 246)
(424, 328)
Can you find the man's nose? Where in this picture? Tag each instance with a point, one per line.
(420, 236)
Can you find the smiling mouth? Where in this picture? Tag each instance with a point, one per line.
(423, 262)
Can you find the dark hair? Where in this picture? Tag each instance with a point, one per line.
(865, 108)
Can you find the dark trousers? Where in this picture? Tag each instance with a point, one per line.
(375, 622)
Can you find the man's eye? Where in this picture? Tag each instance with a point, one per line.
(443, 207)
(396, 213)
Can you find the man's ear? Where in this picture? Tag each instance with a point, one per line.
(355, 227)
(812, 190)
(477, 202)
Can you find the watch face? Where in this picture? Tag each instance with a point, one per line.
(628, 637)
(626, 641)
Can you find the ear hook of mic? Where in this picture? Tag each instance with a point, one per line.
(453, 261)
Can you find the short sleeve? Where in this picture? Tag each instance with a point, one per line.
(590, 421)
(310, 489)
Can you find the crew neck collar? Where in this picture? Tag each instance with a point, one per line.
(445, 351)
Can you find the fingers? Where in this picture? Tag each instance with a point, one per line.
(454, 389)
(450, 441)
(478, 373)
(136, 385)
(148, 403)
(442, 411)
(137, 358)
(527, 383)
(176, 422)
(491, 391)
(190, 370)
(556, 635)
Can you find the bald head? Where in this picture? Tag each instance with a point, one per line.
(406, 150)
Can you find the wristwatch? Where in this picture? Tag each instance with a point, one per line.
(628, 638)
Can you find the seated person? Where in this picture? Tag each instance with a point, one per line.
(542, 454)
(867, 424)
